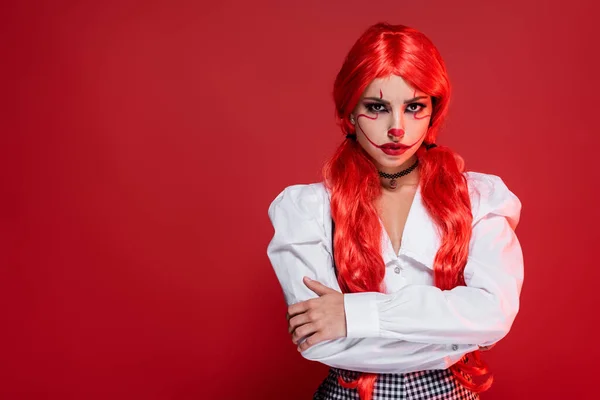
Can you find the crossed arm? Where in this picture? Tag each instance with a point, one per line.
(420, 326)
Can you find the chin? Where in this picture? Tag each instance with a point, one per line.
(388, 161)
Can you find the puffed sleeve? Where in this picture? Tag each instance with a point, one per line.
(301, 247)
(481, 312)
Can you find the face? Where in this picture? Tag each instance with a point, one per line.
(391, 120)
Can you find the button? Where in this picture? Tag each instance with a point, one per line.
(454, 347)
(397, 270)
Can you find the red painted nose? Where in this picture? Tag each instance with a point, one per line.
(396, 132)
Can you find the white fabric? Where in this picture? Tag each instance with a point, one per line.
(414, 325)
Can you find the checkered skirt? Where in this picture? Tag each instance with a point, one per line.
(420, 385)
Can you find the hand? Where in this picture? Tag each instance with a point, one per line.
(320, 319)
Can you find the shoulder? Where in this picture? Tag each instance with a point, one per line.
(490, 195)
(300, 214)
(305, 197)
(302, 201)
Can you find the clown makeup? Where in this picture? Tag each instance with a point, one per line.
(392, 119)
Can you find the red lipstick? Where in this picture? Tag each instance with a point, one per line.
(394, 149)
(394, 146)
(392, 152)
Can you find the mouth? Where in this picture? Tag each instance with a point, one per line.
(393, 152)
(394, 146)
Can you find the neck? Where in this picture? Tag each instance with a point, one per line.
(412, 178)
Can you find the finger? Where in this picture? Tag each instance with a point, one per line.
(312, 340)
(297, 321)
(317, 286)
(300, 307)
(303, 331)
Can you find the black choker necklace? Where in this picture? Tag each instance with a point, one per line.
(393, 177)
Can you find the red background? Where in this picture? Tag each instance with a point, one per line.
(143, 141)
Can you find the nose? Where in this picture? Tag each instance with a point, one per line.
(395, 134)
(396, 130)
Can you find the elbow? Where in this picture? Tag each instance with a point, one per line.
(309, 355)
(316, 352)
(494, 334)
(329, 349)
(501, 325)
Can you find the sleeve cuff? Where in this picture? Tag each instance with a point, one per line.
(362, 315)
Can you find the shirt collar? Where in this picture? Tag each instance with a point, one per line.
(420, 238)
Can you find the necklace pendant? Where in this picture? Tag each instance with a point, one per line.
(393, 184)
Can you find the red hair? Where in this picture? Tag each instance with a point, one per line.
(354, 183)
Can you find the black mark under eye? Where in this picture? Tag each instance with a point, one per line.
(375, 107)
(415, 107)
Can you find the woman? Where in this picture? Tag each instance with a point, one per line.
(414, 262)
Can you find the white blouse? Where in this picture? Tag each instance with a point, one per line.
(414, 326)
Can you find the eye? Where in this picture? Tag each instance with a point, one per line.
(415, 107)
(375, 107)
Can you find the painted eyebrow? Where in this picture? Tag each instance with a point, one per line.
(388, 103)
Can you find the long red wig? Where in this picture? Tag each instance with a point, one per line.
(383, 50)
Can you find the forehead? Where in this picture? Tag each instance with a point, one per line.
(391, 88)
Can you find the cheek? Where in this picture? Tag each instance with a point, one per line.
(417, 124)
(416, 131)
(372, 124)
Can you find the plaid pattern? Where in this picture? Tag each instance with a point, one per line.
(420, 385)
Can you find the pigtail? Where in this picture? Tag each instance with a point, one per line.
(354, 184)
(445, 194)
